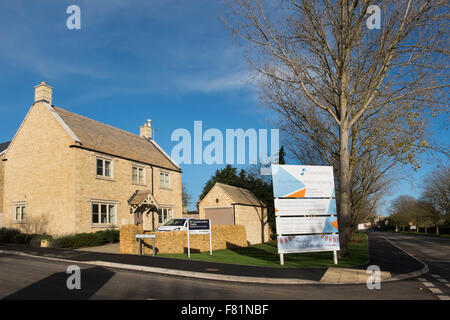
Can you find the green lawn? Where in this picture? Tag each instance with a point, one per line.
(266, 255)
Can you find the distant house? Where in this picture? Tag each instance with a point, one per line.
(191, 214)
(229, 205)
(3, 147)
(64, 173)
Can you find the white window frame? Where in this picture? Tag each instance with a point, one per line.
(111, 168)
(161, 214)
(23, 215)
(106, 203)
(165, 175)
(138, 167)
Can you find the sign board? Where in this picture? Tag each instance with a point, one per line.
(306, 217)
(199, 226)
(145, 236)
(305, 207)
(291, 181)
(139, 237)
(306, 225)
(309, 243)
(361, 226)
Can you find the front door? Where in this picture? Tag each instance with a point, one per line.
(138, 218)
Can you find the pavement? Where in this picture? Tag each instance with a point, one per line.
(393, 261)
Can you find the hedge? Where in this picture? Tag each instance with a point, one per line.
(80, 240)
(9, 235)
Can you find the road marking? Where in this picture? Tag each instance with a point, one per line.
(435, 276)
(435, 290)
(448, 285)
(421, 279)
(428, 284)
(444, 297)
(442, 280)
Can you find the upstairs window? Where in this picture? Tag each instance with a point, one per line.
(164, 180)
(138, 174)
(104, 168)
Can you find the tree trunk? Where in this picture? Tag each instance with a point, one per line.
(437, 229)
(344, 191)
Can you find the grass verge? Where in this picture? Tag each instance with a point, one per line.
(266, 254)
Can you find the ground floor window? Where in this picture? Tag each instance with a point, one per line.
(164, 215)
(103, 213)
(20, 212)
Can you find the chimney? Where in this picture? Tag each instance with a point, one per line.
(43, 92)
(146, 130)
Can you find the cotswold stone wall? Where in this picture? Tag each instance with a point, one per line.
(128, 243)
(223, 237)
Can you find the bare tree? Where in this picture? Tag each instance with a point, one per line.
(186, 197)
(319, 64)
(436, 190)
(431, 215)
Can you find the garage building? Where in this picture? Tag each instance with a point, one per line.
(229, 205)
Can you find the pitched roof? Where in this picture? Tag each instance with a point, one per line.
(240, 195)
(107, 139)
(4, 146)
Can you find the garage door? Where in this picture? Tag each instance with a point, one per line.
(220, 216)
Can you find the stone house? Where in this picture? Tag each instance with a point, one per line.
(63, 173)
(229, 205)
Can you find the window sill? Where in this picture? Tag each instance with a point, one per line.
(99, 225)
(138, 184)
(18, 222)
(105, 178)
(168, 189)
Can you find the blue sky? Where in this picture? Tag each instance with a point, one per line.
(172, 61)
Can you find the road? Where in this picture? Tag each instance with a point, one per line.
(36, 278)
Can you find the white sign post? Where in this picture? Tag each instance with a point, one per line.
(199, 227)
(305, 209)
(146, 236)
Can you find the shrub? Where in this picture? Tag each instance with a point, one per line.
(8, 235)
(81, 240)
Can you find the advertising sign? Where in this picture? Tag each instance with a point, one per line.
(291, 181)
(291, 244)
(305, 207)
(199, 226)
(305, 220)
(306, 225)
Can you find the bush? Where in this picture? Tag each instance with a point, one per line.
(82, 240)
(8, 235)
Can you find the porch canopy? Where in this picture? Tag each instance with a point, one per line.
(143, 201)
